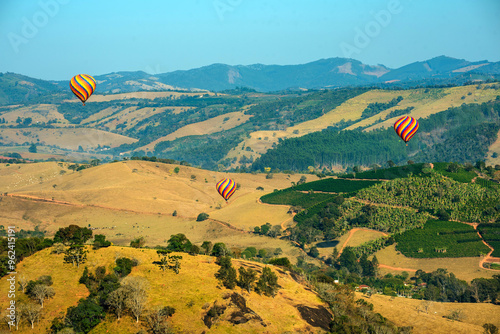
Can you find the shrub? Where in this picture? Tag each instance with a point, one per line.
(202, 216)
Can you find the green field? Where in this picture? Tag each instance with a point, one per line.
(296, 198)
(335, 185)
(388, 173)
(491, 234)
(441, 239)
(461, 175)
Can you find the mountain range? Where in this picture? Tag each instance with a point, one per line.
(323, 73)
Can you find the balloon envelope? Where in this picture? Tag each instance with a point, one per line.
(406, 127)
(226, 188)
(82, 85)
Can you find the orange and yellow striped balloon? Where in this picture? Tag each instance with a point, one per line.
(226, 188)
(406, 127)
(82, 85)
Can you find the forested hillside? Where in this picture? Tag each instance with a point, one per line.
(461, 134)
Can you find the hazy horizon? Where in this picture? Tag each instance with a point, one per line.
(56, 39)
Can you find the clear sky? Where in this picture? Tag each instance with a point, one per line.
(56, 39)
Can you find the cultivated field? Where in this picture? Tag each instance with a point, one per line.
(465, 268)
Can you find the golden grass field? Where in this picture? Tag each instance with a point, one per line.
(196, 281)
(359, 237)
(37, 112)
(139, 198)
(67, 138)
(404, 312)
(465, 268)
(212, 125)
(142, 186)
(427, 104)
(138, 95)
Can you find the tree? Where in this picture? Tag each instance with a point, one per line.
(32, 148)
(41, 292)
(274, 231)
(169, 262)
(252, 251)
(31, 312)
(207, 247)
(58, 248)
(23, 281)
(73, 235)
(391, 163)
(116, 300)
(76, 255)
(348, 259)
(220, 249)
(124, 266)
(247, 278)
(174, 213)
(85, 316)
(100, 241)
(137, 296)
(156, 320)
(179, 243)
(138, 242)
(226, 273)
(268, 283)
(262, 253)
(202, 216)
(490, 329)
(313, 252)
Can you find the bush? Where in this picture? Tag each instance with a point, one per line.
(202, 216)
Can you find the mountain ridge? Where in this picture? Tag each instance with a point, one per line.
(323, 73)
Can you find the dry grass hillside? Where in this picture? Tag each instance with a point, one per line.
(212, 125)
(38, 113)
(187, 292)
(142, 186)
(138, 95)
(411, 312)
(126, 200)
(66, 138)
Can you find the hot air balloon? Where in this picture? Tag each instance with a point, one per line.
(226, 188)
(82, 85)
(406, 127)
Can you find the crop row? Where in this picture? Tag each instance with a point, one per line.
(432, 242)
(295, 198)
(335, 185)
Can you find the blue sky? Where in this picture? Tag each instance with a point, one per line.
(56, 39)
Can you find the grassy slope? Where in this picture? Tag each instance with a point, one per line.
(196, 281)
(68, 138)
(403, 312)
(156, 188)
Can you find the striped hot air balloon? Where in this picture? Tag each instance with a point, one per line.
(226, 188)
(406, 127)
(82, 85)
